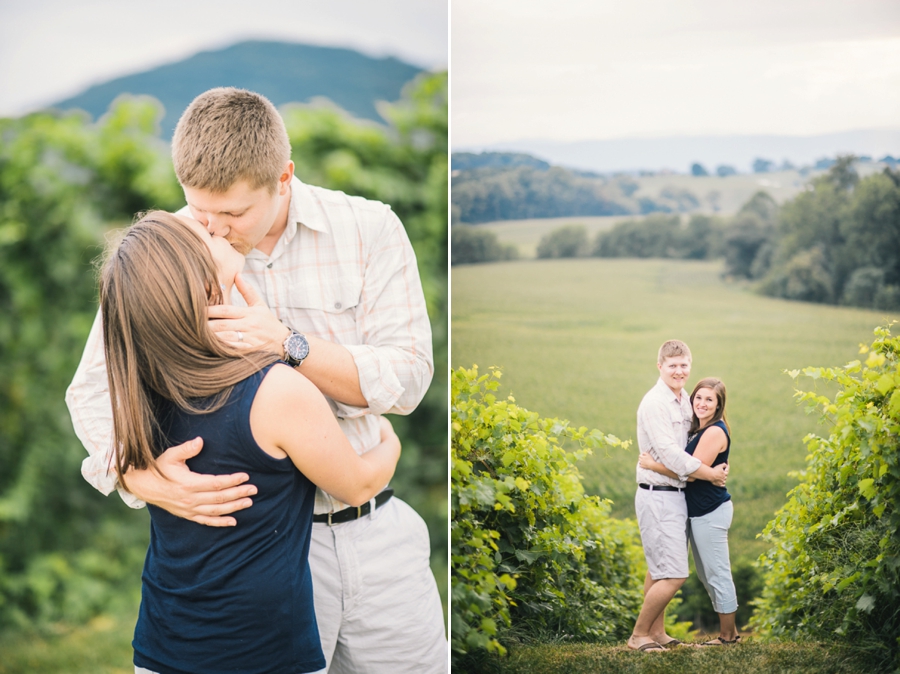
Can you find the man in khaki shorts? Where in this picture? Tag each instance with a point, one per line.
(663, 419)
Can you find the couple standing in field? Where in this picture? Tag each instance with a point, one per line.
(225, 418)
(681, 496)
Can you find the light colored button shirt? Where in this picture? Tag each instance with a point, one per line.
(663, 421)
(344, 270)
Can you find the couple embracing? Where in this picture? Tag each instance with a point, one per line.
(681, 496)
(224, 411)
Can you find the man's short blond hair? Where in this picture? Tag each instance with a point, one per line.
(227, 135)
(672, 348)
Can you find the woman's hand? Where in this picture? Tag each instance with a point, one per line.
(250, 327)
(647, 462)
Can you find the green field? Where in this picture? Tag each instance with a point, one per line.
(577, 339)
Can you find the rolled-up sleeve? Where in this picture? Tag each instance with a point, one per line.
(656, 420)
(89, 406)
(394, 357)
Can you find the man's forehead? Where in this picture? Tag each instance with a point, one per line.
(238, 196)
(676, 360)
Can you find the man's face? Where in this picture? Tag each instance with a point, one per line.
(675, 371)
(241, 215)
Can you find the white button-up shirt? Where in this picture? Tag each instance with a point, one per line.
(663, 421)
(344, 270)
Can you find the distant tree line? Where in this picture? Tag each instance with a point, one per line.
(838, 242)
(657, 235)
(503, 186)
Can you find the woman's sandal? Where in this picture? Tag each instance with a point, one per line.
(719, 641)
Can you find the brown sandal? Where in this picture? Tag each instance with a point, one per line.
(651, 647)
(719, 641)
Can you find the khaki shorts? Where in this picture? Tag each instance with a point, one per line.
(662, 518)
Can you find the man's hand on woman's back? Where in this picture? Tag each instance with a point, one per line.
(205, 499)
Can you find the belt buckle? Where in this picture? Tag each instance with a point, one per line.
(329, 519)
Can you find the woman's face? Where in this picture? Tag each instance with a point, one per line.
(228, 261)
(705, 405)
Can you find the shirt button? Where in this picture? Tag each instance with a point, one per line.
(337, 305)
(269, 266)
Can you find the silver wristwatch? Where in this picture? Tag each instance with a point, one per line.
(296, 348)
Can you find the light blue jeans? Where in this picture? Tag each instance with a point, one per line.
(708, 536)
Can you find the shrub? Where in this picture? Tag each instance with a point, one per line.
(834, 569)
(567, 241)
(470, 245)
(529, 549)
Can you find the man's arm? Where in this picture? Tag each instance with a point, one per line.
(201, 498)
(657, 423)
(88, 401)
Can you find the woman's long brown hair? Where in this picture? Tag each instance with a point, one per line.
(155, 287)
(718, 388)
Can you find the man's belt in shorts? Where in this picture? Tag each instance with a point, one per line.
(350, 514)
(654, 487)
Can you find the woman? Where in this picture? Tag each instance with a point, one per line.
(709, 507)
(234, 599)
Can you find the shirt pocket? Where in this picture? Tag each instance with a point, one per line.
(327, 310)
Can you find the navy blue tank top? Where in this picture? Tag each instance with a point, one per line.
(703, 497)
(230, 599)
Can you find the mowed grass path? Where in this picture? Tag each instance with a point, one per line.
(577, 339)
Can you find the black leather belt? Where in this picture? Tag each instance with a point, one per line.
(656, 487)
(350, 514)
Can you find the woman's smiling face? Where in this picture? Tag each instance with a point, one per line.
(705, 404)
(228, 261)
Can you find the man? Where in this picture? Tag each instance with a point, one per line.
(663, 419)
(331, 284)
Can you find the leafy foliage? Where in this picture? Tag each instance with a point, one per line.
(837, 242)
(834, 569)
(58, 175)
(530, 552)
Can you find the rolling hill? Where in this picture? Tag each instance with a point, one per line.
(281, 71)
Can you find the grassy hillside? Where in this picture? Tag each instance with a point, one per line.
(283, 72)
(577, 339)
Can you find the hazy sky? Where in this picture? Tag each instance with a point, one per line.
(52, 49)
(599, 69)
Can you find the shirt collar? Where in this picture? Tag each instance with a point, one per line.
(661, 385)
(305, 209)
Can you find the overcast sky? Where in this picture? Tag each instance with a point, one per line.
(52, 49)
(600, 69)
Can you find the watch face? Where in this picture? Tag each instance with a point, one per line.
(297, 347)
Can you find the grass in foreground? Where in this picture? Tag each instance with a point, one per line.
(102, 646)
(745, 658)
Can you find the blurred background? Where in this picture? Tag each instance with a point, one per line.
(89, 96)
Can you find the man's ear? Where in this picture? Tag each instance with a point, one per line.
(284, 182)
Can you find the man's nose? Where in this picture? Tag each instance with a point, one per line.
(216, 226)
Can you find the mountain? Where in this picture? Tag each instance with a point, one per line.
(678, 153)
(281, 71)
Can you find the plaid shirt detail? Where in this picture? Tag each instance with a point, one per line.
(344, 270)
